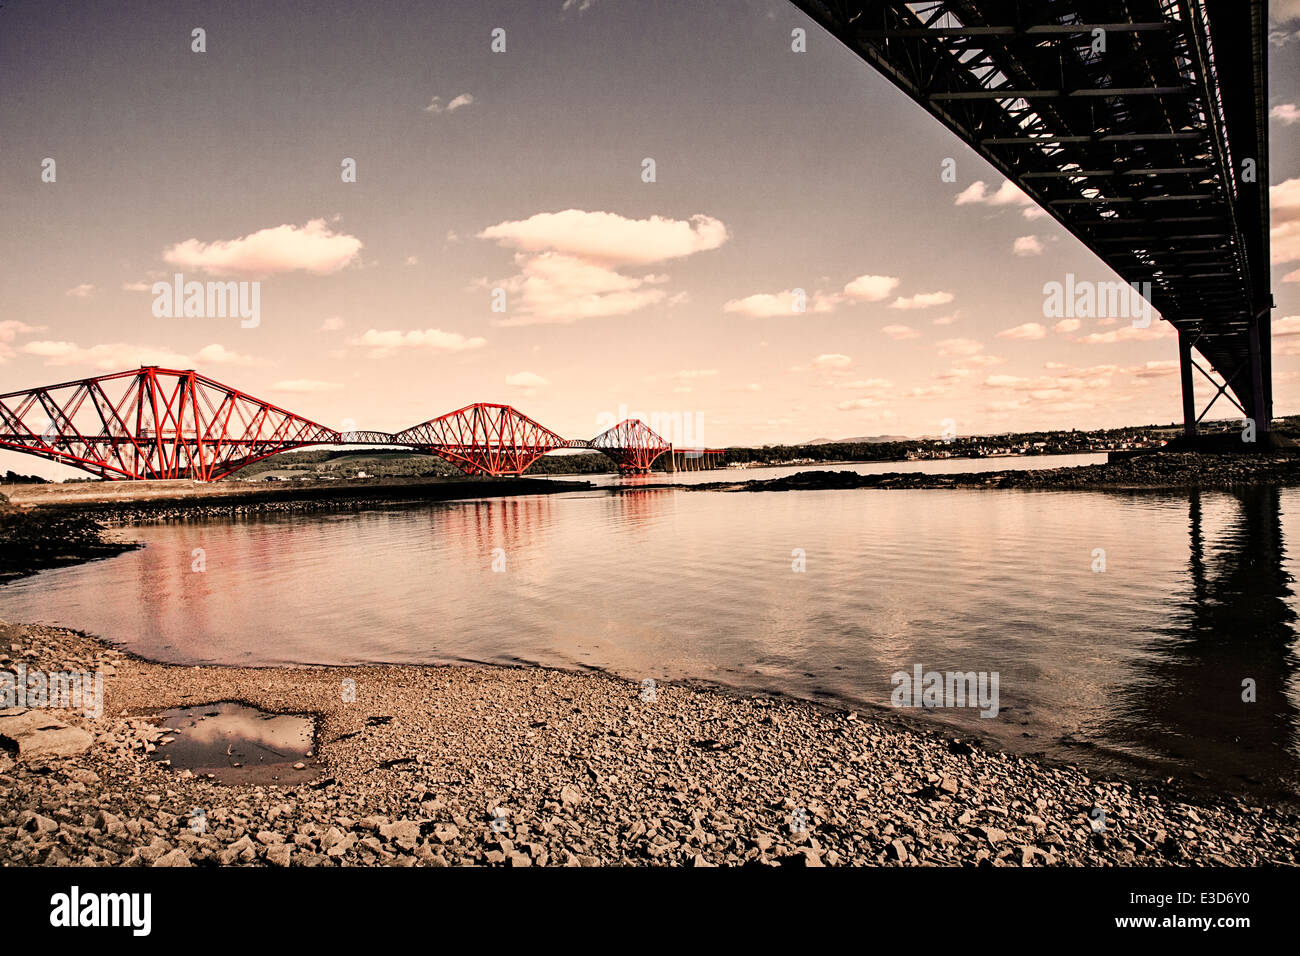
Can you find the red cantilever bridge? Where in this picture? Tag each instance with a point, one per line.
(156, 423)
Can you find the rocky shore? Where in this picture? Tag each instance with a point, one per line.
(1165, 470)
(36, 541)
(477, 765)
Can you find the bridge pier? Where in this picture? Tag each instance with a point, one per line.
(1189, 391)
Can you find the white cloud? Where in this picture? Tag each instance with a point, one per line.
(900, 332)
(1286, 112)
(83, 291)
(869, 288)
(313, 247)
(1284, 200)
(388, 342)
(978, 193)
(9, 330)
(768, 305)
(608, 237)
(922, 300)
(305, 386)
(107, 357)
(526, 380)
(1027, 246)
(332, 324)
(569, 262)
(436, 105)
(216, 354)
(137, 286)
(1030, 330)
(1067, 325)
(1130, 333)
(691, 374)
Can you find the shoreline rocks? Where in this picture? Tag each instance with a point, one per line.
(476, 765)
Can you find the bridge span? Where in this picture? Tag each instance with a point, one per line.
(156, 423)
(1141, 126)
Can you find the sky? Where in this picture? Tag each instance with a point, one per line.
(500, 241)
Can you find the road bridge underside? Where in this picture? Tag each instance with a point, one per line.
(1139, 125)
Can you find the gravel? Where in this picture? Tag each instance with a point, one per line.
(438, 766)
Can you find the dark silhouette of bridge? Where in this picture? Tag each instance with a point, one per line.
(1140, 125)
(156, 423)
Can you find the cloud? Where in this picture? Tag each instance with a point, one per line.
(83, 291)
(827, 361)
(569, 262)
(691, 374)
(1008, 194)
(219, 355)
(108, 357)
(1067, 325)
(1288, 325)
(1130, 333)
(922, 300)
(137, 286)
(608, 237)
(1284, 11)
(1027, 246)
(948, 319)
(386, 343)
(966, 354)
(869, 288)
(9, 330)
(332, 324)
(900, 332)
(1284, 200)
(1286, 112)
(766, 305)
(526, 380)
(1030, 330)
(305, 386)
(436, 105)
(313, 247)
(872, 384)
(1293, 276)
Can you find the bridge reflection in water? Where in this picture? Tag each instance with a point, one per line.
(1236, 623)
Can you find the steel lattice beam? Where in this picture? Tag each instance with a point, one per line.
(1146, 136)
(156, 423)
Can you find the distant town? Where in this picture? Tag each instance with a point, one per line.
(340, 464)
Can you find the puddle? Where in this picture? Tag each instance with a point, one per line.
(236, 744)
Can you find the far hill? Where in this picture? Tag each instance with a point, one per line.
(866, 440)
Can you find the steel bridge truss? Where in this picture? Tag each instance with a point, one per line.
(1139, 125)
(156, 423)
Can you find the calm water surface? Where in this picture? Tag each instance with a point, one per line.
(1140, 667)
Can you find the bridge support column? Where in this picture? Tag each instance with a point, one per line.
(1261, 407)
(672, 461)
(1189, 392)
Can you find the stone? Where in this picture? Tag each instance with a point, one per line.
(36, 734)
(174, 858)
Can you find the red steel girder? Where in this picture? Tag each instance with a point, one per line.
(632, 444)
(151, 423)
(484, 439)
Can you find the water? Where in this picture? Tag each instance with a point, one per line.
(1138, 668)
(936, 466)
(236, 744)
